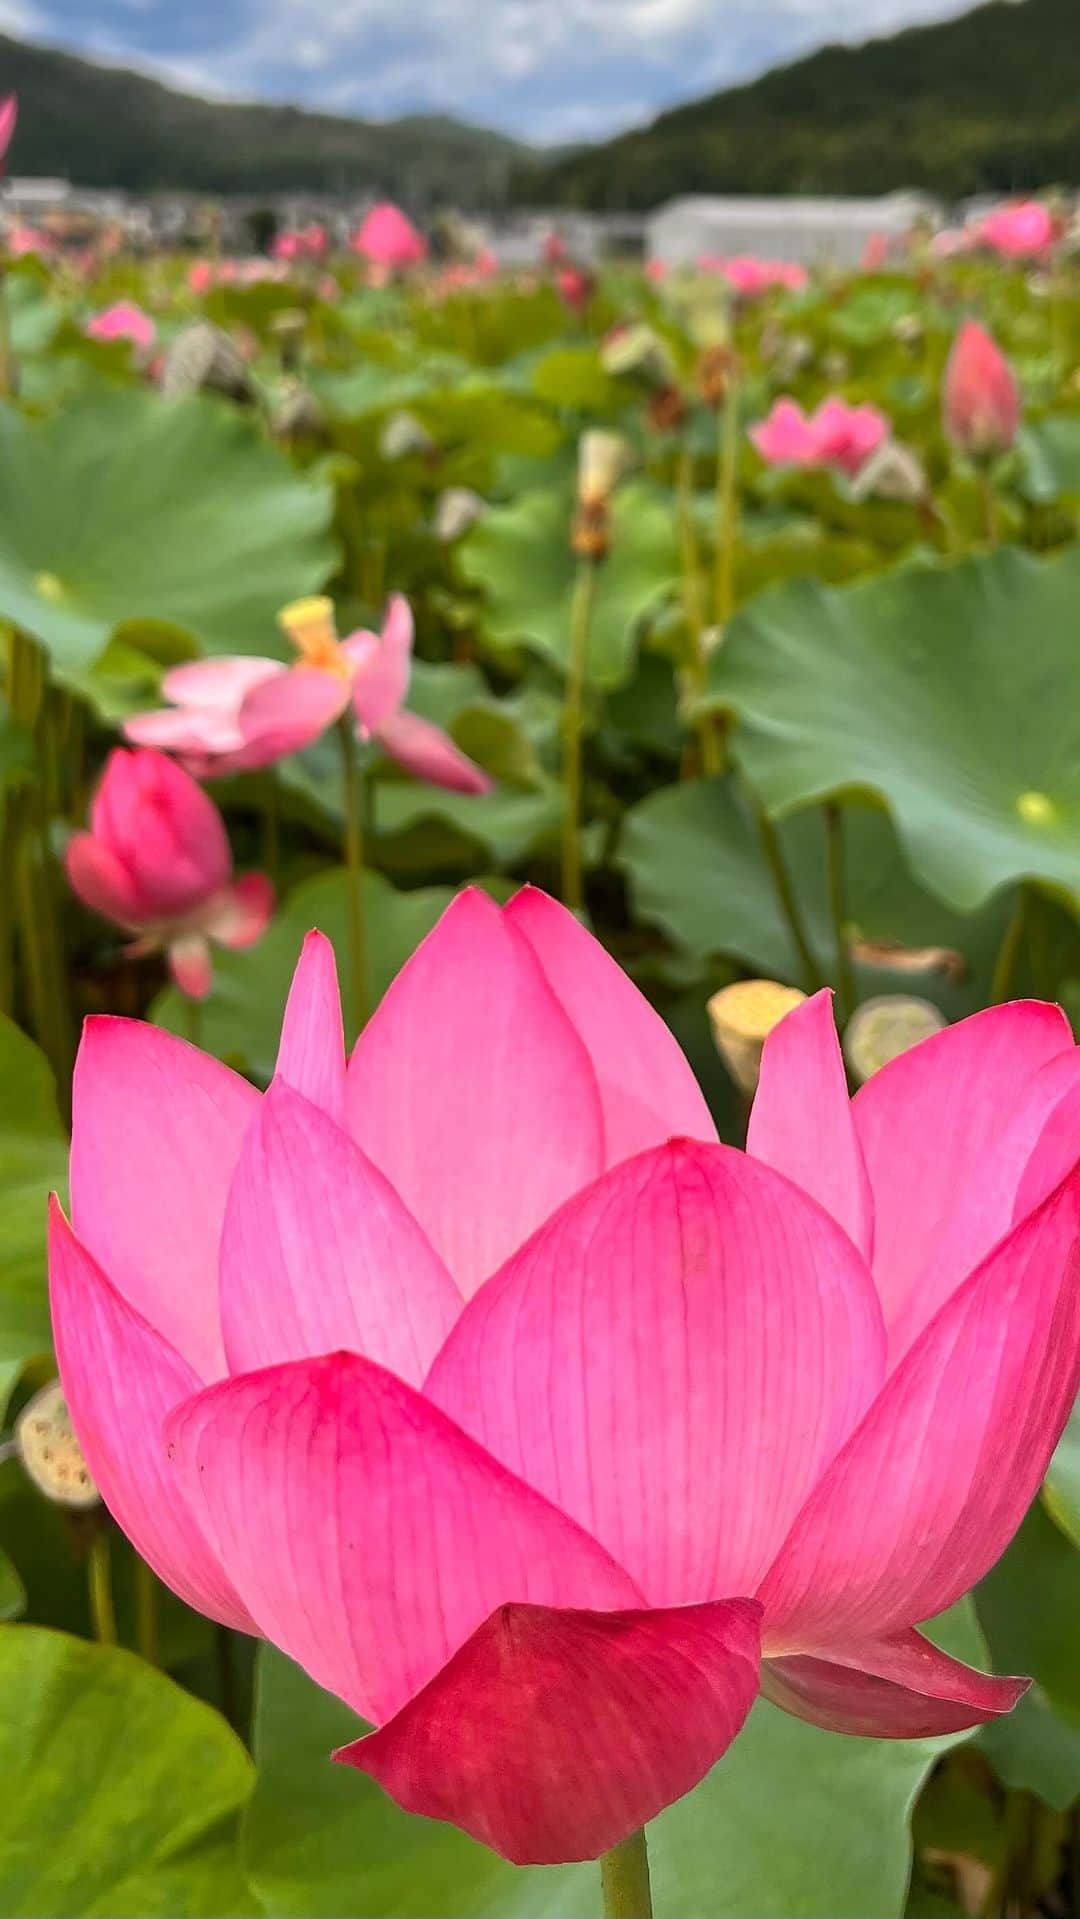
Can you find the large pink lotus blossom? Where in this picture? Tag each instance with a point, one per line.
(9, 114)
(534, 1423)
(387, 238)
(157, 862)
(749, 276)
(123, 321)
(836, 435)
(236, 714)
(1018, 230)
(980, 395)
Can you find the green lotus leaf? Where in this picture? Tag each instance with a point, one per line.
(33, 1163)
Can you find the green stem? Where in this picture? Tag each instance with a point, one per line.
(6, 368)
(226, 1670)
(712, 758)
(727, 502)
(573, 720)
(146, 1611)
(1003, 982)
(624, 1879)
(99, 1582)
(989, 505)
(352, 779)
(272, 829)
(834, 868)
(193, 1019)
(785, 898)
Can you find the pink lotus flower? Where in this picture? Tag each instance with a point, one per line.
(234, 715)
(656, 271)
(749, 276)
(980, 395)
(1020, 230)
(21, 241)
(288, 246)
(157, 862)
(540, 1427)
(9, 114)
(575, 288)
(200, 276)
(123, 321)
(875, 253)
(835, 435)
(388, 239)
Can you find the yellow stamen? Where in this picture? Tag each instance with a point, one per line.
(310, 626)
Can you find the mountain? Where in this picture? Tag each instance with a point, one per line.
(105, 126)
(987, 101)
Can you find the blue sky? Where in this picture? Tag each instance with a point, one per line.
(543, 69)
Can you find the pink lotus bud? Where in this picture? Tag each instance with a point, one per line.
(980, 396)
(9, 113)
(123, 321)
(200, 277)
(388, 238)
(575, 288)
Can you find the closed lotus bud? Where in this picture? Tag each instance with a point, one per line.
(50, 1453)
(893, 472)
(980, 397)
(204, 359)
(742, 1017)
(456, 510)
(405, 437)
(638, 352)
(883, 1028)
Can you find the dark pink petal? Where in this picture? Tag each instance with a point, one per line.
(381, 666)
(156, 1133)
(472, 1091)
(649, 1093)
(190, 965)
(284, 714)
(365, 1532)
(430, 754)
(926, 1124)
(801, 1120)
(120, 1379)
(318, 1253)
(553, 1735)
(674, 1359)
(311, 1056)
(931, 1487)
(103, 882)
(244, 911)
(899, 1688)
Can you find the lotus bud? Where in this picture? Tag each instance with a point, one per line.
(404, 437)
(980, 396)
(204, 359)
(640, 353)
(893, 472)
(50, 1453)
(742, 1016)
(883, 1028)
(603, 459)
(456, 510)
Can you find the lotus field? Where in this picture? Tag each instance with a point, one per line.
(539, 1112)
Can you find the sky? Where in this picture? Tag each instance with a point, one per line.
(544, 70)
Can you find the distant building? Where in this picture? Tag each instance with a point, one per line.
(791, 228)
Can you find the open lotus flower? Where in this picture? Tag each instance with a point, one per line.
(835, 435)
(123, 321)
(980, 395)
(157, 862)
(233, 715)
(749, 276)
(387, 238)
(1019, 230)
(9, 114)
(540, 1427)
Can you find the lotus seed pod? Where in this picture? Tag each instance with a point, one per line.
(893, 472)
(50, 1453)
(883, 1028)
(603, 460)
(403, 437)
(638, 351)
(298, 415)
(742, 1017)
(456, 510)
(204, 359)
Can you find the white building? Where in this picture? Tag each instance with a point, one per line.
(792, 228)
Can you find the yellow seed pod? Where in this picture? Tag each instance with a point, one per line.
(883, 1028)
(50, 1453)
(742, 1017)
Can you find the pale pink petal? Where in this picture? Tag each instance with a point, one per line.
(553, 1735)
(472, 1091)
(648, 1091)
(926, 1124)
(311, 1055)
(244, 911)
(156, 1133)
(220, 684)
(285, 714)
(430, 754)
(185, 731)
(381, 672)
(899, 1688)
(120, 1379)
(674, 1360)
(801, 1121)
(190, 965)
(367, 1534)
(102, 881)
(319, 1255)
(931, 1487)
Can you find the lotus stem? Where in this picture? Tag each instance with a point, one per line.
(6, 369)
(146, 1611)
(727, 501)
(573, 719)
(785, 898)
(693, 604)
(834, 869)
(624, 1879)
(354, 867)
(99, 1584)
(991, 525)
